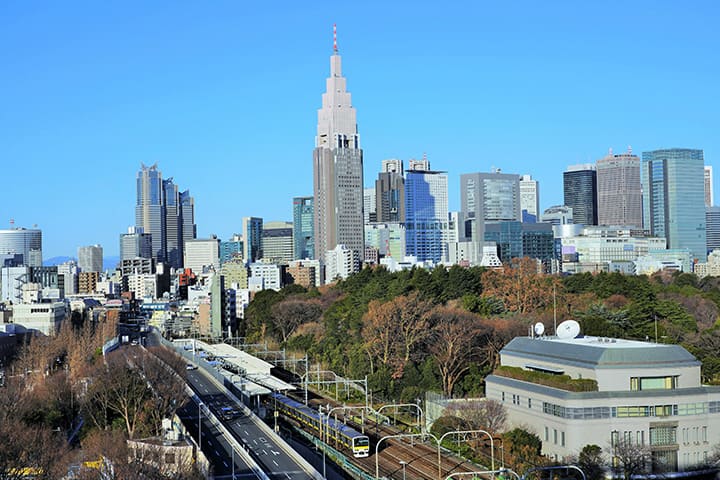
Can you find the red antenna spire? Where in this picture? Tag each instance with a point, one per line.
(335, 38)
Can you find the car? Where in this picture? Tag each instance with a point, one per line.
(190, 366)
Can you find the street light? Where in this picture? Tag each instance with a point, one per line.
(403, 463)
(200, 405)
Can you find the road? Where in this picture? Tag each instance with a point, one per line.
(269, 455)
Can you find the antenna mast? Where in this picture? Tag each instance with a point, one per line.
(335, 49)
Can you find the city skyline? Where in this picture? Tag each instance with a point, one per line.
(99, 90)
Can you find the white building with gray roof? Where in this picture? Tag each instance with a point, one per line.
(647, 394)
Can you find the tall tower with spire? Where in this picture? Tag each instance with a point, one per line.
(337, 169)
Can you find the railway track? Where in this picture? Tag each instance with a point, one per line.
(398, 458)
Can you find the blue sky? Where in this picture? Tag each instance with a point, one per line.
(223, 95)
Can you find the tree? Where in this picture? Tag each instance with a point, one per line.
(455, 343)
(381, 333)
(160, 368)
(33, 449)
(590, 460)
(482, 414)
(630, 458)
(289, 314)
(523, 448)
(519, 286)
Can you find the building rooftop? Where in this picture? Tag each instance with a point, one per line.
(599, 352)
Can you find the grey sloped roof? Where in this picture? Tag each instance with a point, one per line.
(592, 352)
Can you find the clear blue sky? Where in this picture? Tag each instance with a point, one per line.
(223, 95)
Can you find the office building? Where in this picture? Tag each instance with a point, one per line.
(619, 194)
(529, 199)
(266, 276)
(638, 393)
(712, 226)
(165, 213)
(709, 197)
(236, 273)
(22, 241)
(421, 165)
(337, 169)
(673, 197)
(426, 214)
(87, 282)
(390, 193)
(388, 239)
(580, 193)
(595, 247)
(231, 249)
(45, 318)
(277, 241)
(202, 255)
(369, 210)
(252, 228)
(514, 239)
(135, 244)
(90, 258)
(68, 277)
(558, 215)
(484, 198)
(303, 228)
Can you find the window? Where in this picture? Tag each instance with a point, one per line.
(529, 402)
(665, 435)
(169, 458)
(614, 438)
(653, 383)
(562, 439)
(547, 434)
(704, 434)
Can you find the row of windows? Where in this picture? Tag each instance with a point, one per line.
(587, 413)
(555, 436)
(694, 435)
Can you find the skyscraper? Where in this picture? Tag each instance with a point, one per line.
(487, 197)
(390, 193)
(673, 198)
(712, 224)
(426, 214)
(277, 241)
(150, 209)
(529, 199)
(90, 258)
(167, 215)
(252, 228)
(25, 242)
(303, 228)
(580, 192)
(709, 197)
(135, 244)
(619, 194)
(337, 169)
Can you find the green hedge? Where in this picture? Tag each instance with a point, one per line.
(563, 382)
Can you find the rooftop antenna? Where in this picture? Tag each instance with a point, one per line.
(12, 222)
(610, 151)
(335, 38)
(630, 149)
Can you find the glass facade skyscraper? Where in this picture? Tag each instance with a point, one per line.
(580, 193)
(426, 214)
(303, 228)
(674, 197)
(167, 215)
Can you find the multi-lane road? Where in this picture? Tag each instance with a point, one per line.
(272, 457)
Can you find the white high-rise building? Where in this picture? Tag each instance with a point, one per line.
(337, 169)
(341, 262)
(202, 253)
(392, 165)
(529, 199)
(90, 258)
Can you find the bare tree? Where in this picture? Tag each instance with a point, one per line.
(289, 314)
(630, 458)
(455, 343)
(26, 450)
(481, 414)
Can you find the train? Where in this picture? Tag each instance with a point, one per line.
(350, 438)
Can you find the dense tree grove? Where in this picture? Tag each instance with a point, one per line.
(443, 329)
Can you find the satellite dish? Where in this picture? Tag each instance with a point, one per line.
(539, 328)
(568, 329)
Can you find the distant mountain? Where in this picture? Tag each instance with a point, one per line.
(51, 262)
(109, 263)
